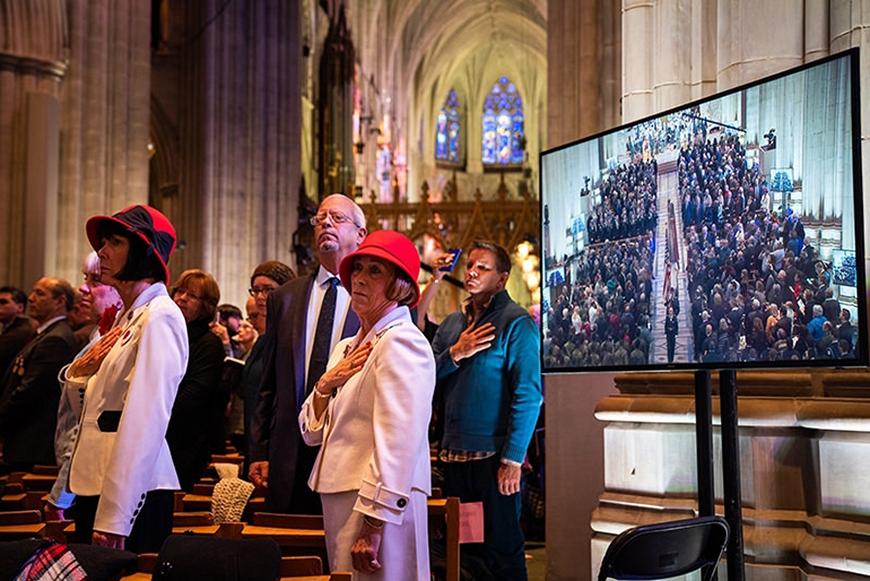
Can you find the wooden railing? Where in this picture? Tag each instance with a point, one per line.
(503, 218)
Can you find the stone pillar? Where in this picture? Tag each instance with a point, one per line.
(584, 79)
(803, 437)
(703, 34)
(239, 131)
(573, 70)
(32, 69)
(637, 59)
(40, 186)
(817, 30)
(611, 64)
(756, 39)
(104, 118)
(672, 55)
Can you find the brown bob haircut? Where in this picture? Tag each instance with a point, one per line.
(401, 289)
(206, 288)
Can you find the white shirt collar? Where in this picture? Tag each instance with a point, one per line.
(400, 313)
(48, 324)
(323, 275)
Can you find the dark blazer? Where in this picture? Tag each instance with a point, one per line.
(195, 413)
(275, 434)
(30, 395)
(13, 339)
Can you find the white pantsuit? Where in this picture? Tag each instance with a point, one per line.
(121, 452)
(374, 449)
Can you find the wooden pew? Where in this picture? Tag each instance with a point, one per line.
(300, 566)
(291, 532)
(448, 508)
(20, 524)
(38, 482)
(291, 569)
(46, 470)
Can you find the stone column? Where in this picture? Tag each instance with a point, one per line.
(611, 64)
(584, 79)
(671, 54)
(104, 118)
(756, 39)
(239, 132)
(573, 70)
(32, 69)
(703, 48)
(817, 30)
(637, 58)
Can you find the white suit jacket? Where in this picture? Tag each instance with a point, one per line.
(373, 435)
(121, 452)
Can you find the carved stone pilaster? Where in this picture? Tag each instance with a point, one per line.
(31, 71)
(239, 127)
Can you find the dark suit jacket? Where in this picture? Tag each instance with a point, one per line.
(13, 340)
(275, 432)
(196, 413)
(30, 394)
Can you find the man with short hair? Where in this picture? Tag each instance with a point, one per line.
(489, 379)
(30, 391)
(15, 328)
(306, 317)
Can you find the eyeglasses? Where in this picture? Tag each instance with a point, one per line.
(260, 290)
(336, 217)
(183, 291)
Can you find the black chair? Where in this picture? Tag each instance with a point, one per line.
(667, 549)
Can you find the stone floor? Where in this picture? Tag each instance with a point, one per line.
(536, 561)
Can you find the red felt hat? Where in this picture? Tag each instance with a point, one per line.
(149, 224)
(389, 246)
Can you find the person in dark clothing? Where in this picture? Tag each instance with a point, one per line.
(488, 376)
(672, 327)
(15, 329)
(30, 391)
(266, 278)
(845, 330)
(196, 414)
(831, 307)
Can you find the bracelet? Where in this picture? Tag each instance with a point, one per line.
(373, 522)
(319, 395)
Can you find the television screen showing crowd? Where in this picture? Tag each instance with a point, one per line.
(721, 234)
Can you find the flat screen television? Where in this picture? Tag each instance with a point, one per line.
(726, 233)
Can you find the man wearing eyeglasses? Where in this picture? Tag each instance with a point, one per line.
(306, 317)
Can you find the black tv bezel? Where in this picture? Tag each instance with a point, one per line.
(861, 325)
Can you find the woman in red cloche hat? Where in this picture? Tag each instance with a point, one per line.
(370, 415)
(121, 468)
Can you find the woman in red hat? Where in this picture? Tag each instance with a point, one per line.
(370, 415)
(121, 468)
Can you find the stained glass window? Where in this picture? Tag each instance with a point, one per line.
(447, 130)
(503, 133)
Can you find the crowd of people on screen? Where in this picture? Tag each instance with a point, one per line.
(757, 288)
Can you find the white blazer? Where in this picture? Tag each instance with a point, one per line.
(373, 435)
(121, 452)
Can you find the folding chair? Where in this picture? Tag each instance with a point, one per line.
(667, 549)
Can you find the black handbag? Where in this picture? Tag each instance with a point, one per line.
(186, 557)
